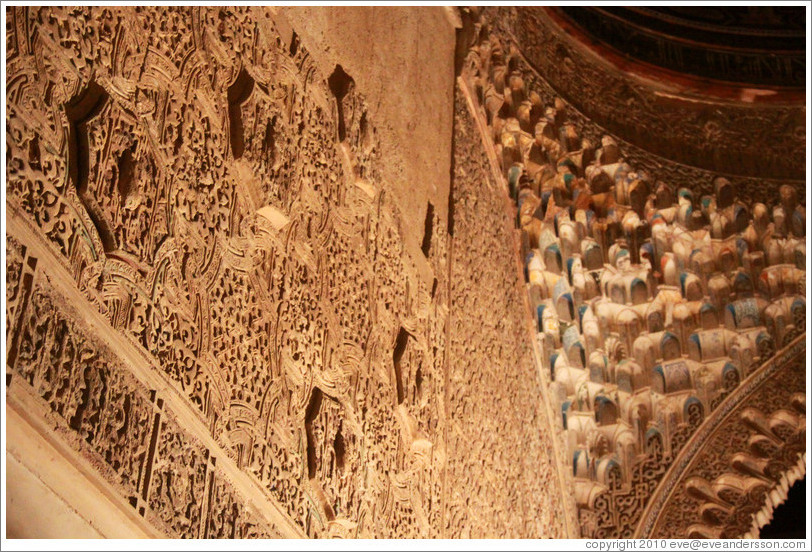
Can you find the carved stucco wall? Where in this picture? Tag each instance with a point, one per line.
(266, 277)
(239, 305)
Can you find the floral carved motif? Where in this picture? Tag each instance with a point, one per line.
(215, 196)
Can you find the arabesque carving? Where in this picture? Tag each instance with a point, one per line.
(208, 200)
(652, 302)
(211, 299)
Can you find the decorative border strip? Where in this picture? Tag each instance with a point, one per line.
(171, 407)
(565, 480)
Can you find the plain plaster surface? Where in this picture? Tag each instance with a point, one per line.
(402, 61)
(44, 497)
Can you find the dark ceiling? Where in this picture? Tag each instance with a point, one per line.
(754, 45)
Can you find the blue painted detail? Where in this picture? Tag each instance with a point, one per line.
(581, 310)
(659, 374)
(694, 338)
(689, 402)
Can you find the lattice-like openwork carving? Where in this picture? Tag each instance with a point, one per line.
(206, 200)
